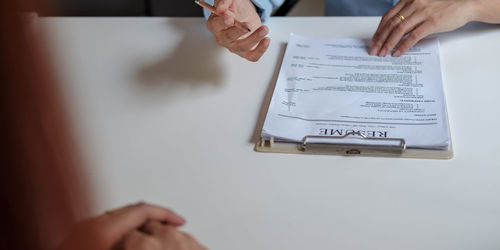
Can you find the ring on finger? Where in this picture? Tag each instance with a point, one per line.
(401, 17)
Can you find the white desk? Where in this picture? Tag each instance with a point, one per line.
(165, 116)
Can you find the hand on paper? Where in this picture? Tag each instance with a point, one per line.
(249, 45)
(139, 227)
(418, 19)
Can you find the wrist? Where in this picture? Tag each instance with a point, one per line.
(470, 10)
(477, 9)
(487, 11)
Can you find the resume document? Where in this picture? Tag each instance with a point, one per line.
(330, 87)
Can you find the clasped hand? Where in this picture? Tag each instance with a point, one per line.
(135, 227)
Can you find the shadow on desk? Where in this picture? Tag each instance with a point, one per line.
(266, 101)
(192, 64)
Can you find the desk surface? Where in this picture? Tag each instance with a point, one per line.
(165, 116)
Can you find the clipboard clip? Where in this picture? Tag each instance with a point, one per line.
(354, 143)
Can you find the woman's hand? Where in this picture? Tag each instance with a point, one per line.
(155, 235)
(120, 229)
(249, 45)
(418, 19)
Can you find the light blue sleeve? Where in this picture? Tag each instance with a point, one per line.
(264, 7)
(358, 7)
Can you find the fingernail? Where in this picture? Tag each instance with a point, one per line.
(383, 53)
(267, 42)
(374, 51)
(397, 53)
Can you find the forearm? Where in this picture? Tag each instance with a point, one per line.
(487, 11)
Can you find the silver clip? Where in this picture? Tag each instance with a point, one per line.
(348, 144)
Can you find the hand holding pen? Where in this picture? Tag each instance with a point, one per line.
(230, 21)
(213, 10)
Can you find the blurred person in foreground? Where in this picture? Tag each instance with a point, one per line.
(40, 190)
(404, 22)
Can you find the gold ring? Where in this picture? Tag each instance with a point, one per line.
(401, 17)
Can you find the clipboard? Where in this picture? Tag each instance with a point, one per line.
(346, 146)
(296, 66)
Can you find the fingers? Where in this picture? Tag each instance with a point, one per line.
(421, 18)
(119, 228)
(224, 29)
(156, 228)
(390, 14)
(137, 240)
(222, 6)
(233, 38)
(400, 31)
(237, 38)
(230, 36)
(253, 47)
(249, 43)
(416, 35)
(391, 26)
(170, 237)
(217, 24)
(128, 218)
(257, 53)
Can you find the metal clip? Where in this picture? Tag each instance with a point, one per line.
(350, 145)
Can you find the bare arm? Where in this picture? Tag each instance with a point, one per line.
(488, 11)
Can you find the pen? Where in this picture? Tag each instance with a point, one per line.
(214, 11)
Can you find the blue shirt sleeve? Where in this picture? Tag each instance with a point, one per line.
(264, 7)
(358, 7)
